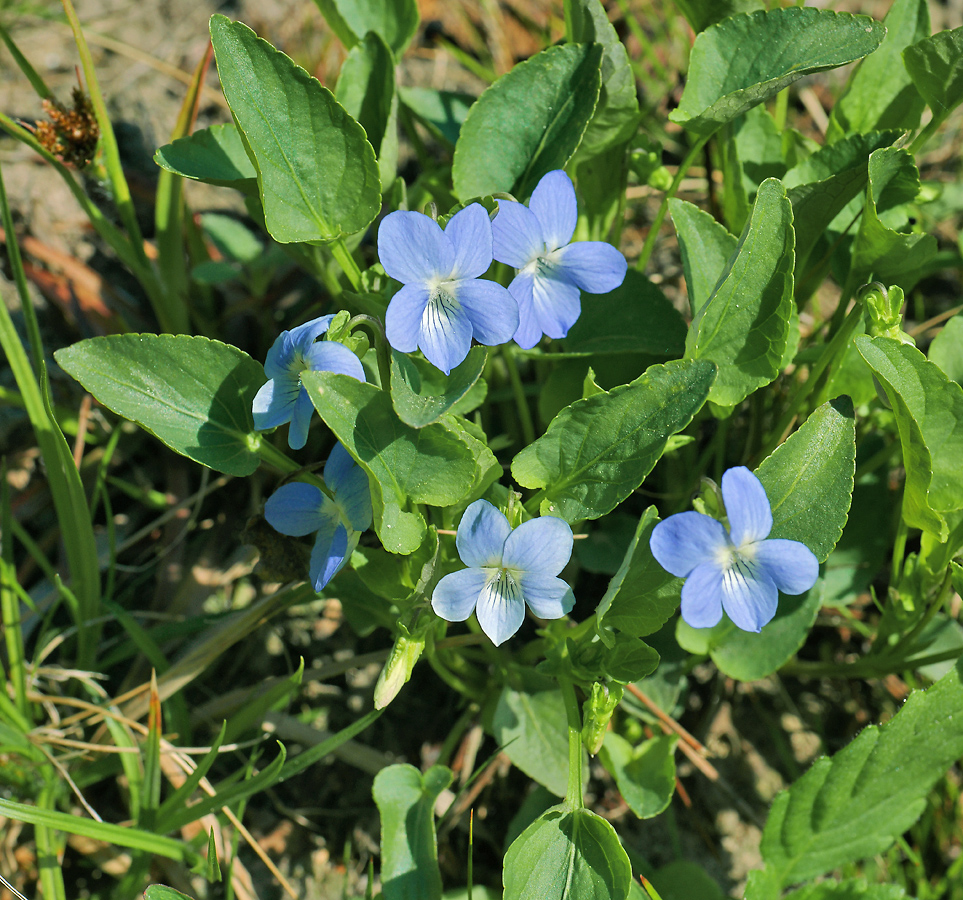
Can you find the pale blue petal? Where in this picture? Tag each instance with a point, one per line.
(548, 597)
(557, 302)
(596, 267)
(354, 498)
(470, 233)
(413, 248)
(445, 332)
(403, 317)
(542, 546)
(516, 235)
(296, 509)
(300, 421)
(790, 564)
(329, 554)
(553, 202)
(686, 540)
(749, 595)
(338, 468)
(349, 483)
(702, 595)
(490, 308)
(305, 335)
(529, 331)
(330, 356)
(501, 608)
(747, 506)
(455, 596)
(277, 364)
(481, 535)
(274, 402)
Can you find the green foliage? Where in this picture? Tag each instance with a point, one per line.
(929, 413)
(744, 325)
(936, 66)
(528, 123)
(634, 318)
(702, 13)
(706, 248)
(405, 466)
(880, 93)
(215, 155)
(858, 802)
(394, 21)
(724, 81)
(422, 394)
(194, 394)
(366, 89)
(529, 723)
(887, 255)
(645, 774)
(598, 450)
(641, 595)
(409, 853)
(567, 855)
(317, 175)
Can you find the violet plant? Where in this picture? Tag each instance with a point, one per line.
(514, 423)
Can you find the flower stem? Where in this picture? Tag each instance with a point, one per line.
(518, 389)
(573, 796)
(348, 265)
(805, 388)
(649, 245)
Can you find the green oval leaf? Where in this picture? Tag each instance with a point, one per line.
(194, 394)
(395, 21)
(317, 174)
(642, 595)
(421, 394)
(809, 478)
(929, 414)
(705, 246)
(858, 802)
(527, 123)
(215, 155)
(744, 325)
(879, 251)
(366, 89)
(645, 774)
(531, 725)
(724, 80)
(598, 450)
(162, 892)
(405, 465)
(409, 851)
(936, 66)
(567, 855)
(636, 317)
(880, 93)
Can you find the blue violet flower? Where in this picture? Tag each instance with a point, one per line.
(508, 568)
(283, 399)
(738, 570)
(443, 303)
(297, 509)
(535, 239)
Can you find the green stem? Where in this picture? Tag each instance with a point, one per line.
(931, 128)
(653, 234)
(868, 667)
(899, 549)
(573, 795)
(347, 262)
(518, 390)
(805, 388)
